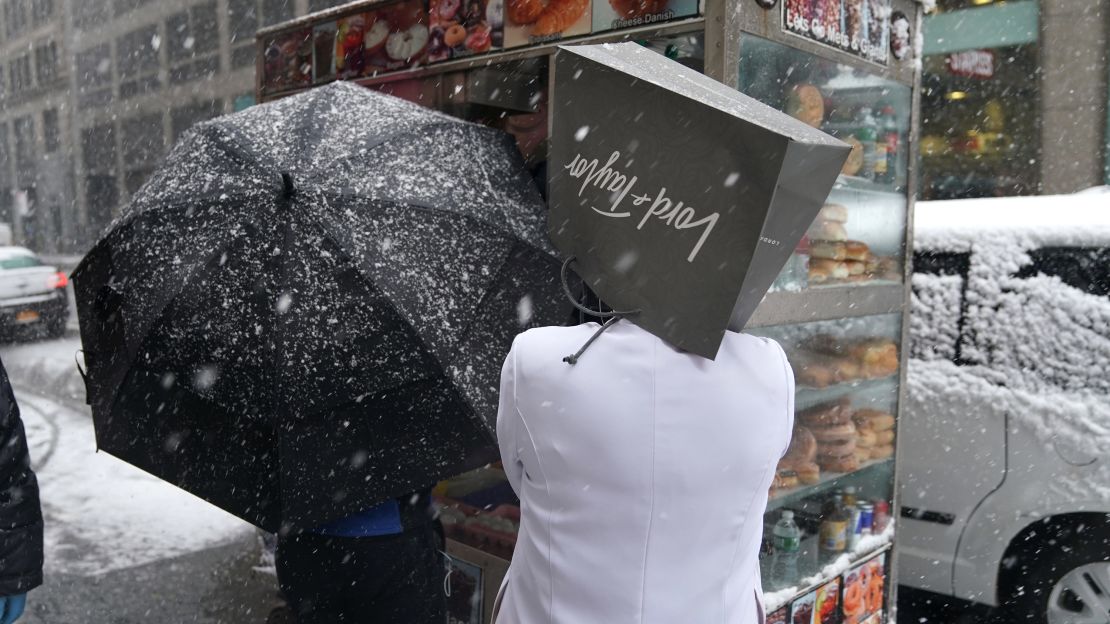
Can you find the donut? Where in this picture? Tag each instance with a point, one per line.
(884, 438)
(808, 473)
(882, 452)
(873, 419)
(803, 446)
(845, 431)
(806, 104)
(836, 450)
(833, 212)
(865, 438)
(841, 464)
(856, 250)
(785, 479)
(826, 414)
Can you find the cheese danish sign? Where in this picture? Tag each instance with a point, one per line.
(677, 196)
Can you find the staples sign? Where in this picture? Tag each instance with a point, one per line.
(971, 63)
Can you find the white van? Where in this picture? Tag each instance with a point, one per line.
(1004, 469)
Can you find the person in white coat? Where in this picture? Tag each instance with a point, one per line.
(642, 473)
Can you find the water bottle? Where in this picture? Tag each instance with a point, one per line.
(788, 543)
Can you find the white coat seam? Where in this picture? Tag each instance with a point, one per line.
(547, 494)
(651, 507)
(736, 545)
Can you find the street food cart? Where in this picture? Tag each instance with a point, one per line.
(839, 308)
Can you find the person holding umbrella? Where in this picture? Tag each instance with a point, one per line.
(21, 553)
(378, 565)
(299, 317)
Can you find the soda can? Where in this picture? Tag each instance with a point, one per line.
(866, 518)
(853, 527)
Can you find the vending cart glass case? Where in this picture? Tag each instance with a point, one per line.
(838, 308)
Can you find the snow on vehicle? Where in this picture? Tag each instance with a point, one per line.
(1005, 492)
(32, 294)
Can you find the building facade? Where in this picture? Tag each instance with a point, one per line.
(94, 92)
(1014, 98)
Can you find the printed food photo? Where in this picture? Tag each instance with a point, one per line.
(392, 37)
(535, 21)
(464, 27)
(615, 14)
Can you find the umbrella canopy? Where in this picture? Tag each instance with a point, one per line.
(305, 309)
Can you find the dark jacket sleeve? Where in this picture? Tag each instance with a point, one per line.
(20, 514)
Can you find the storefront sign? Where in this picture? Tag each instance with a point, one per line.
(372, 38)
(858, 27)
(617, 14)
(971, 63)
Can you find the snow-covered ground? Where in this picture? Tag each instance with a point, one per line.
(101, 513)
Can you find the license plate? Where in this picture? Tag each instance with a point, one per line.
(26, 316)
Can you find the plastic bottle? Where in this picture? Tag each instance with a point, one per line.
(833, 538)
(788, 545)
(889, 136)
(868, 135)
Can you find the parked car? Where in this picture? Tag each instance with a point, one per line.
(1004, 479)
(32, 294)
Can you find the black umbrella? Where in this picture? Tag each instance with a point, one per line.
(305, 310)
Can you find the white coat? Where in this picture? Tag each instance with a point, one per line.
(642, 473)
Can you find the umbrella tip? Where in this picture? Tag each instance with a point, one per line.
(287, 184)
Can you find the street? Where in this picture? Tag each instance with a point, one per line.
(122, 546)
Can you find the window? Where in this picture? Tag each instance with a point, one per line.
(1084, 268)
(41, 10)
(192, 43)
(5, 161)
(25, 148)
(98, 148)
(137, 59)
(246, 17)
(94, 67)
(88, 13)
(182, 118)
(320, 5)
(126, 6)
(143, 144)
(51, 134)
(20, 69)
(46, 63)
(19, 262)
(276, 11)
(15, 17)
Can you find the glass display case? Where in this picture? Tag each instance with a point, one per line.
(836, 479)
(858, 237)
(847, 67)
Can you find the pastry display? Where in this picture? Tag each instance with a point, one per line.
(834, 258)
(878, 426)
(805, 103)
(798, 464)
(823, 360)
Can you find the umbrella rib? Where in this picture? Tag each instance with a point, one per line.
(144, 330)
(446, 123)
(322, 222)
(417, 205)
